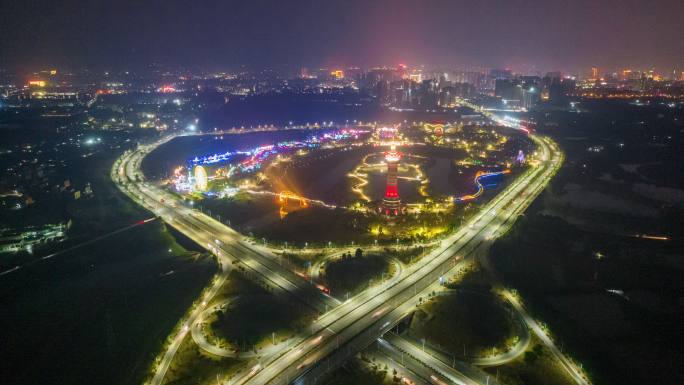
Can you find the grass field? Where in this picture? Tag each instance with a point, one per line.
(250, 320)
(354, 274)
(98, 315)
(247, 322)
(317, 225)
(407, 255)
(359, 371)
(462, 320)
(536, 366)
(192, 366)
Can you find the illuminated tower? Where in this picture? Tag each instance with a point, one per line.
(595, 73)
(391, 202)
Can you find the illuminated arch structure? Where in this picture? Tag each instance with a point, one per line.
(285, 196)
(283, 199)
(479, 176)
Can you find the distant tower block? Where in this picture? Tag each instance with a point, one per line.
(391, 204)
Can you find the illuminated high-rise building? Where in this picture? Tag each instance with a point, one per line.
(337, 74)
(416, 76)
(391, 203)
(595, 73)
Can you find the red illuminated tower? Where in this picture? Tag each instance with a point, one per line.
(391, 202)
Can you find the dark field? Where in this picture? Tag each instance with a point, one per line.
(576, 256)
(251, 319)
(354, 274)
(101, 314)
(98, 313)
(474, 321)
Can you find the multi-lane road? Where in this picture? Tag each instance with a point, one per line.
(368, 316)
(484, 227)
(347, 327)
(227, 245)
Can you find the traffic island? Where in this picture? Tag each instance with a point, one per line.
(192, 365)
(466, 324)
(350, 274)
(361, 369)
(256, 323)
(537, 366)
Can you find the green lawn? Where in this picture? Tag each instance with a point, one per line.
(191, 366)
(537, 366)
(250, 319)
(408, 255)
(352, 274)
(318, 225)
(358, 372)
(478, 321)
(101, 313)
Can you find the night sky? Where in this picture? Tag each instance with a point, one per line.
(522, 35)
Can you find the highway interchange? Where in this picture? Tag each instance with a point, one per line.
(348, 327)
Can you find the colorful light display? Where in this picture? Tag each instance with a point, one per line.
(252, 160)
(255, 157)
(478, 182)
(337, 74)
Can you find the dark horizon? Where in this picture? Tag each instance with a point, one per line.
(526, 36)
